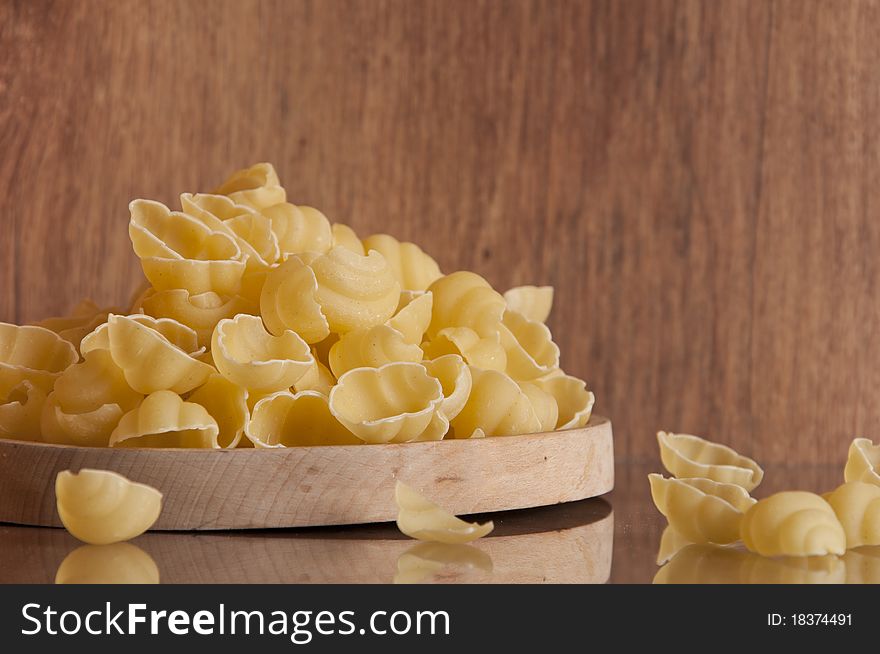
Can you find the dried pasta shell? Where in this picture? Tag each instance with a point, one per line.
(345, 237)
(497, 405)
(246, 354)
(574, 402)
(257, 186)
(531, 352)
(149, 361)
(255, 229)
(863, 462)
(20, 410)
(226, 402)
(857, 506)
(221, 276)
(371, 347)
(532, 302)
(163, 419)
(85, 429)
(486, 353)
(793, 523)
(455, 377)
(544, 405)
(421, 519)
(32, 348)
(117, 563)
(412, 267)
(102, 507)
(684, 455)
(94, 382)
(178, 334)
(318, 378)
(464, 299)
(288, 420)
(288, 300)
(396, 402)
(83, 320)
(201, 312)
(299, 229)
(701, 510)
(413, 316)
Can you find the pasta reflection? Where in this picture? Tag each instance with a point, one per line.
(120, 563)
(423, 561)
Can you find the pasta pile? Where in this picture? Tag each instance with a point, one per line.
(261, 324)
(708, 501)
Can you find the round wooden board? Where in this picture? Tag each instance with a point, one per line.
(331, 485)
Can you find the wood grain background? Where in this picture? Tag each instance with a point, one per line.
(697, 179)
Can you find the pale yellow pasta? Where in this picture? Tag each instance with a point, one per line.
(574, 402)
(102, 507)
(531, 352)
(532, 302)
(83, 320)
(413, 316)
(497, 406)
(464, 299)
(149, 361)
(20, 410)
(94, 382)
(177, 333)
(117, 563)
(371, 347)
(419, 518)
(318, 378)
(685, 455)
(544, 405)
(793, 523)
(85, 429)
(857, 506)
(299, 229)
(413, 268)
(255, 229)
(423, 560)
(345, 237)
(863, 462)
(136, 303)
(288, 420)
(486, 353)
(226, 402)
(31, 348)
(671, 542)
(288, 300)
(246, 354)
(828, 569)
(701, 510)
(201, 312)
(455, 377)
(163, 419)
(397, 402)
(257, 186)
(251, 289)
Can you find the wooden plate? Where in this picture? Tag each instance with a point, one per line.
(331, 485)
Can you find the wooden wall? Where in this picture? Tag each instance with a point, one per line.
(697, 179)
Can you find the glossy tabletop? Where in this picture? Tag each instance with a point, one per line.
(614, 539)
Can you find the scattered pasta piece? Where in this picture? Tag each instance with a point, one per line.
(684, 455)
(793, 523)
(101, 507)
(701, 510)
(857, 505)
(423, 520)
(533, 302)
(118, 563)
(163, 419)
(288, 420)
(671, 542)
(863, 462)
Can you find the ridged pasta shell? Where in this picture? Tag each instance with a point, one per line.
(345, 237)
(318, 378)
(20, 410)
(543, 403)
(83, 320)
(531, 352)
(33, 348)
(150, 362)
(288, 420)
(226, 402)
(94, 382)
(163, 419)
(464, 299)
(396, 402)
(532, 302)
(684, 455)
(793, 523)
(421, 519)
(177, 333)
(371, 348)
(222, 277)
(863, 462)
(102, 507)
(486, 353)
(857, 506)
(574, 402)
(455, 377)
(85, 429)
(497, 405)
(257, 186)
(413, 316)
(117, 563)
(701, 510)
(246, 354)
(201, 312)
(412, 267)
(299, 229)
(288, 300)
